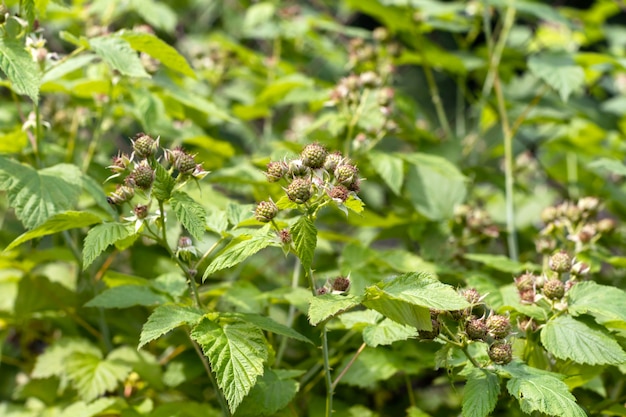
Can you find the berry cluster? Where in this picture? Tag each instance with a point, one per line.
(564, 273)
(312, 180)
(471, 225)
(138, 171)
(475, 325)
(573, 222)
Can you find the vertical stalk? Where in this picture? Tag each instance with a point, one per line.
(209, 372)
(328, 380)
(572, 175)
(295, 279)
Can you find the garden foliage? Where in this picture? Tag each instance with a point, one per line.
(283, 208)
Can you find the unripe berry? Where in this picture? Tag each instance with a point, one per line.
(276, 171)
(143, 176)
(549, 214)
(589, 206)
(122, 194)
(499, 326)
(476, 329)
(471, 295)
(185, 164)
(430, 335)
(501, 352)
(545, 245)
(527, 296)
(141, 211)
(525, 282)
(314, 155)
(144, 146)
(299, 191)
(341, 284)
(285, 236)
(333, 160)
(606, 225)
(265, 211)
(339, 192)
(346, 174)
(553, 289)
(560, 262)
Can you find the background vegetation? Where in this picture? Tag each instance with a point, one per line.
(467, 257)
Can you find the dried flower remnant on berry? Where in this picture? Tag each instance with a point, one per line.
(339, 193)
(332, 161)
(122, 194)
(141, 211)
(341, 284)
(285, 237)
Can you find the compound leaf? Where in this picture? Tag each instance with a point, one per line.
(236, 350)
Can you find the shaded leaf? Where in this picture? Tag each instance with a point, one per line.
(125, 296)
(92, 376)
(390, 168)
(386, 332)
(371, 366)
(57, 223)
(270, 394)
(269, 325)
(606, 304)
(163, 184)
(502, 263)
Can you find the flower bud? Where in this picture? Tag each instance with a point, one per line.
(296, 168)
(606, 225)
(341, 284)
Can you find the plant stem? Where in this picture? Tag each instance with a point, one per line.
(328, 379)
(353, 122)
(97, 132)
(38, 135)
(436, 98)
(207, 368)
(572, 175)
(409, 389)
(295, 279)
(348, 365)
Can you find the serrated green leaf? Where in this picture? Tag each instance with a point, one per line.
(57, 223)
(117, 52)
(544, 393)
(190, 213)
(422, 289)
(398, 310)
(284, 203)
(558, 71)
(144, 363)
(606, 304)
(52, 361)
(37, 195)
(480, 394)
(270, 394)
(236, 350)
(435, 185)
(166, 318)
(20, 68)
(101, 237)
(13, 141)
(126, 296)
(568, 338)
(163, 184)
(156, 48)
(304, 235)
(239, 250)
(92, 376)
(390, 168)
(269, 325)
(325, 306)
(502, 263)
(386, 332)
(156, 13)
(355, 204)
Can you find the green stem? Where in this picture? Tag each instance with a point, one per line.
(315, 368)
(436, 98)
(97, 132)
(348, 365)
(209, 372)
(409, 390)
(38, 135)
(295, 279)
(353, 122)
(328, 379)
(572, 175)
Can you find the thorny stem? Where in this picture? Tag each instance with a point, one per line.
(209, 372)
(348, 365)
